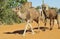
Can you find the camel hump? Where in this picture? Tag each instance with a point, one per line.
(33, 13)
(28, 15)
(53, 12)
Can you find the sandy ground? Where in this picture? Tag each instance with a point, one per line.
(15, 32)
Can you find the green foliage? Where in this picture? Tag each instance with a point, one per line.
(59, 10)
(38, 7)
(23, 1)
(6, 14)
(8, 17)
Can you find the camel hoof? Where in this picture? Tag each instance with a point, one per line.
(50, 28)
(23, 34)
(33, 33)
(43, 30)
(58, 27)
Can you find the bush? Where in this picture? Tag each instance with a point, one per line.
(8, 17)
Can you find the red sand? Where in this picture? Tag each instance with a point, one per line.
(54, 34)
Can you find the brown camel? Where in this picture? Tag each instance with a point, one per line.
(29, 15)
(50, 14)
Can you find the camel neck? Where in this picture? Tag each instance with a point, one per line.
(44, 13)
(21, 15)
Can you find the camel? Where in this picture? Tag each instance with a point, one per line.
(29, 15)
(50, 14)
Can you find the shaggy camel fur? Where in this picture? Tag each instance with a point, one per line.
(29, 15)
(50, 14)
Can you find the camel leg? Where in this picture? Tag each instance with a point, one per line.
(51, 23)
(25, 29)
(31, 28)
(45, 24)
(57, 21)
(38, 27)
(28, 24)
(38, 23)
(58, 24)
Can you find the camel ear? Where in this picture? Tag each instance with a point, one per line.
(18, 8)
(46, 7)
(13, 9)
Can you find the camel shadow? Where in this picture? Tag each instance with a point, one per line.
(22, 31)
(17, 32)
(41, 28)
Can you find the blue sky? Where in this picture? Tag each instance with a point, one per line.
(54, 3)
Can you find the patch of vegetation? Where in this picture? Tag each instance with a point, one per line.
(6, 14)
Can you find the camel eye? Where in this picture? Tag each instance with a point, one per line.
(16, 8)
(44, 8)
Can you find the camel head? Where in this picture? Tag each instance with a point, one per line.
(17, 9)
(45, 7)
(18, 12)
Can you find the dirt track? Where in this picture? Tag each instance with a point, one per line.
(15, 32)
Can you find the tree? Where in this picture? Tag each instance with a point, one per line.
(23, 1)
(59, 10)
(6, 14)
(38, 7)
